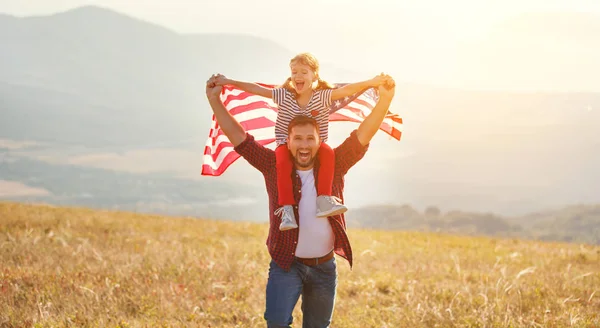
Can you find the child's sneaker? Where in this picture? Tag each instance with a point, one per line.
(288, 219)
(329, 205)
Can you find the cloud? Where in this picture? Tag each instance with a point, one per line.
(17, 189)
(143, 161)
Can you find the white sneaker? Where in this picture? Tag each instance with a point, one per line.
(329, 206)
(288, 219)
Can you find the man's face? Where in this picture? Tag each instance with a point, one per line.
(303, 143)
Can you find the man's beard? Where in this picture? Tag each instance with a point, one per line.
(309, 163)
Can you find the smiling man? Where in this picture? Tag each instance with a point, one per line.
(302, 260)
(303, 141)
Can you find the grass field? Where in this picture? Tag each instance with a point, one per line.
(70, 267)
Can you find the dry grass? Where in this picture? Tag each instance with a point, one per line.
(65, 267)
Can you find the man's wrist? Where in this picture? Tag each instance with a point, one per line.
(215, 99)
(386, 99)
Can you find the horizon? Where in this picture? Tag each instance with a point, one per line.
(479, 206)
(500, 156)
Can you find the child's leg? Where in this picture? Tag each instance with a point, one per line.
(285, 188)
(326, 169)
(284, 175)
(327, 205)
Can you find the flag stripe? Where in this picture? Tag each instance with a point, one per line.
(222, 141)
(244, 107)
(258, 115)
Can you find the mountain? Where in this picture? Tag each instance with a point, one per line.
(73, 76)
(150, 193)
(98, 93)
(575, 223)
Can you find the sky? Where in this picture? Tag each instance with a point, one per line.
(429, 41)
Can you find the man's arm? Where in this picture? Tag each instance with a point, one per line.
(353, 149)
(370, 125)
(230, 126)
(244, 144)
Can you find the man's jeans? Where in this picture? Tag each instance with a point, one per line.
(317, 284)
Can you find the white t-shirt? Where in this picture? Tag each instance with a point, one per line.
(315, 235)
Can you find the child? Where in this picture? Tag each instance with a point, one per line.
(304, 93)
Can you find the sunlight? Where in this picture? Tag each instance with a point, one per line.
(462, 43)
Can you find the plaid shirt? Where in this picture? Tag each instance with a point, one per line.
(282, 244)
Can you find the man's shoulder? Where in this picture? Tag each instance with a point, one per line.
(352, 143)
(250, 143)
(255, 152)
(349, 152)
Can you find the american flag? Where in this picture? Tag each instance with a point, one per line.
(258, 114)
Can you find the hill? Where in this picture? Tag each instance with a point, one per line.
(115, 106)
(576, 223)
(73, 76)
(78, 267)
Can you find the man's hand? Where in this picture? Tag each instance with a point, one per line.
(370, 125)
(220, 79)
(230, 126)
(213, 90)
(378, 80)
(388, 88)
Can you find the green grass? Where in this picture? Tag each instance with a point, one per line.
(70, 267)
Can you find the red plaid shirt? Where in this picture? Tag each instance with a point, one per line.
(282, 244)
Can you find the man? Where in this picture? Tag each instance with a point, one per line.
(302, 260)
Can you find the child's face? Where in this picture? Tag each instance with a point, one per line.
(302, 76)
(303, 143)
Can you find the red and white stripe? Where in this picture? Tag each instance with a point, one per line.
(257, 116)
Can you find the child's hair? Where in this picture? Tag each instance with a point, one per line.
(312, 62)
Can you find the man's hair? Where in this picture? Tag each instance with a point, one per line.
(302, 120)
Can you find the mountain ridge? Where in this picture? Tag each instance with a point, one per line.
(105, 92)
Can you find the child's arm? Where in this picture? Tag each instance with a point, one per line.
(250, 87)
(352, 88)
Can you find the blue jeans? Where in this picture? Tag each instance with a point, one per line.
(317, 285)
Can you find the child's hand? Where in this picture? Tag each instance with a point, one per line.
(212, 89)
(388, 82)
(221, 80)
(379, 80)
(388, 88)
